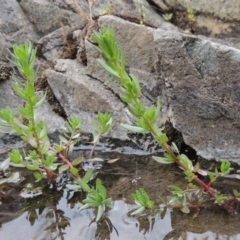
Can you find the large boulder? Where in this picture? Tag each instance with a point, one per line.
(203, 95)
(226, 9)
(196, 79)
(84, 96)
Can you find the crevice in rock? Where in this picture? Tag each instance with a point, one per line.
(5, 71)
(69, 50)
(41, 84)
(108, 88)
(156, 8)
(175, 136)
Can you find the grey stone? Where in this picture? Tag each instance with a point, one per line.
(224, 9)
(74, 20)
(84, 96)
(139, 50)
(132, 11)
(52, 44)
(54, 122)
(14, 27)
(45, 16)
(137, 43)
(202, 89)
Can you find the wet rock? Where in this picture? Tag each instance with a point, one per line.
(84, 96)
(226, 9)
(202, 89)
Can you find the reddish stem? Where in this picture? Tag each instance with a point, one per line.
(62, 157)
(206, 187)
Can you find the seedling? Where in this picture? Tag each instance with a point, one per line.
(191, 15)
(96, 198)
(168, 16)
(142, 199)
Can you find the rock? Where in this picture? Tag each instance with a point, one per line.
(4, 46)
(225, 9)
(54, 121)
(135, 11)
(139, 50)
(137, 44)
(52, 44)
(202, 90)
(14, 27)
(84, 96)
(45, 16)
(5, 71)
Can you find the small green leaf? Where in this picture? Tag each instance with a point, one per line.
(77, 161)
(138, 211)
(85, 206)
(84, 186)
(108, 69)
(225, 167)
(38, 176)
(17, 165)
(31, 167)
(162, 139)
(15, 156)
(163, 160)
(41, 101)
(186, 162)
(236, 193)
(74, 171)
(134, 128)
(100, 212)
(175, 188)
(212, 177)
(63, 168)
(88, 175)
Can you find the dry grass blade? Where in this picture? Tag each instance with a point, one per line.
(81, 12)
(90, 3)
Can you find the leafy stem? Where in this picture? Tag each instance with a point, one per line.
(114, 64)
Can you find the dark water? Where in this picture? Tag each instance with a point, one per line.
(55, 214)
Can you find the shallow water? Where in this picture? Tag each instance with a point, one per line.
(55, 214)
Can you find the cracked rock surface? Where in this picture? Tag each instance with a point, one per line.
(196, 77)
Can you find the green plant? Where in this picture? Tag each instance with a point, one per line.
(191, 15)
(42, 158)
(142, 199)
(114, 63)
(168, 17)
(96, 198)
